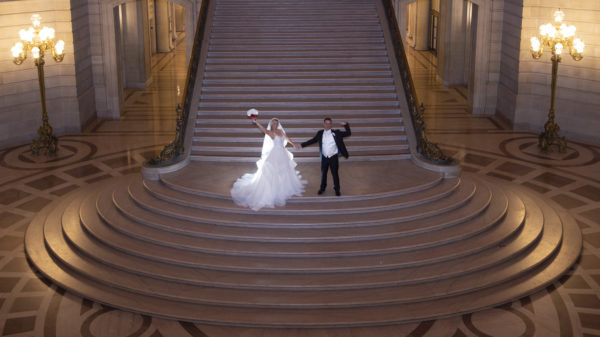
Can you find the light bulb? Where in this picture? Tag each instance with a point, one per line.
(26, 35)
(563, 30)
(36, 19)
(30, 34)
(578, 45)
(558, 48)
(59, 47)
(23, 34)
(17, 49)
(548, 30)
(35, 51)
(535, 44)
(46, 34)
(558, 16)
(567, 31)
(551, 31)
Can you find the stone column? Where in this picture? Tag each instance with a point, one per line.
(422, 25)
(179, 19)
(134, 30)
(164, 27)
(451, 55)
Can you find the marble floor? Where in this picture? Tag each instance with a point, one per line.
(32, 306)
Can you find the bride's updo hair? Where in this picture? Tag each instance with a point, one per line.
(271, 122)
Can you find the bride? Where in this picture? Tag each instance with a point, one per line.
(276, 178)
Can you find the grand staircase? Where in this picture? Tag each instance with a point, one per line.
(299, 61)
(402, 244)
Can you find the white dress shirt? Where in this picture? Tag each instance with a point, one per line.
(329, 147)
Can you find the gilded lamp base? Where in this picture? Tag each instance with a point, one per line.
(47, 143)
(550, 137)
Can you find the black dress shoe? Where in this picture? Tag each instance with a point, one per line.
(338, 193)
(320, 192)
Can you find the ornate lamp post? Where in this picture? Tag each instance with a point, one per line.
(558, 37)
(38, 40)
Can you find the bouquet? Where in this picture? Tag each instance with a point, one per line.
(252, 113)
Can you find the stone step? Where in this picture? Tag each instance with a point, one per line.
(293, 34)
(315, 49)
(308, 53)
(370, 279)
(297, 67)
(364, 157)
(320, 298)
(366, 130)
(210, 104)
(552, 267)
(305, 134)
(294, 116)
(83, 212)
(289, 97)
(317, 43)
(300, 156)
(142, 226)
(303, 261)
(255, 150)
(401, 178)
(311, 216)
(334, 112)
(297, 88)
(340, 28)
(257, 141)
(308, 205)
(247, 142)
(298, 123)
(298, 81)
(273, 74)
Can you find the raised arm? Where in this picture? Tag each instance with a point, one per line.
(262, 128)
(347, 131)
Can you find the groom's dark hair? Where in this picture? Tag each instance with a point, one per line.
(327, 119)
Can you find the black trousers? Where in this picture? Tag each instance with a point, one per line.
(326, 164)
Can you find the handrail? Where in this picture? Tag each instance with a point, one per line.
(425, 148)
(172, 152)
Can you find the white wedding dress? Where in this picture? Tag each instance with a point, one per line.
(275, 180)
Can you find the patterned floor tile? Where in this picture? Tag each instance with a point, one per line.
(12, 195)
(46, 182)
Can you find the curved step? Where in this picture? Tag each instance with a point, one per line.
(331, 299)
(250, 261)
(306, 205)
(361, 315)
(128, 209)
(390, 238)
(248, 218)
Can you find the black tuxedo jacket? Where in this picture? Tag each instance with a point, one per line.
(338, 136)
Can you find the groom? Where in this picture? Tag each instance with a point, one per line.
(331, 144)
